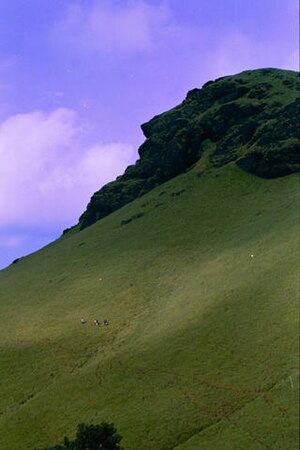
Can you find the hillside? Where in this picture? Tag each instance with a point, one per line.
(200, 333)
(251, 118)
(198, 279)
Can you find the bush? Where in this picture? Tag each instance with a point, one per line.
(92, 437)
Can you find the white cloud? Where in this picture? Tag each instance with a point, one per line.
(105, 28)
(47, 173)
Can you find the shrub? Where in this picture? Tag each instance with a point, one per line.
(92, 437)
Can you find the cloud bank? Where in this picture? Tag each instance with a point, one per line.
(107, 27)
(47, 173)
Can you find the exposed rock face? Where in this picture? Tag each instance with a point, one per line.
(251, 118)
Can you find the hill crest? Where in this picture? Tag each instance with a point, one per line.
(250, 118)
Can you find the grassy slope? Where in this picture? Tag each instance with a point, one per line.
(202, 339)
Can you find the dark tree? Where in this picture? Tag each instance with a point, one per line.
(92, 437)
(97, 437)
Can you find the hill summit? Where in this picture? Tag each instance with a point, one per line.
(250, 118)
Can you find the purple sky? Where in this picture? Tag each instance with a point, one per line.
(78, 77)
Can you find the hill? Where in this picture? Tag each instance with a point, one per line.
(251, 118)
(198, 279)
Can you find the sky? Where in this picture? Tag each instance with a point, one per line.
(79, 77)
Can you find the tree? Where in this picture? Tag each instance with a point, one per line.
(97, 437)
(92, 437)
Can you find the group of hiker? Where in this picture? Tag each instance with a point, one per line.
(95, 322)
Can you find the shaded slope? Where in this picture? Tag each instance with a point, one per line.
(251, 118)
(198, 329)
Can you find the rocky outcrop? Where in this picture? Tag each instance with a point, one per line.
(251, 119)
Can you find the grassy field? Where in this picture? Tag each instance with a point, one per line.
(201, 351)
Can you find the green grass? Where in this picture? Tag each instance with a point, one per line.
(201, 351)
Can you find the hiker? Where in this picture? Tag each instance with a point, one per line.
(104, 323)
(82, 320)
(96, 323)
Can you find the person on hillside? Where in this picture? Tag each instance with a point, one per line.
(96, 323)
(82, 320)
(104, 322)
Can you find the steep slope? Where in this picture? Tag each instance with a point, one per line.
(198, 280)
(251, 118)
